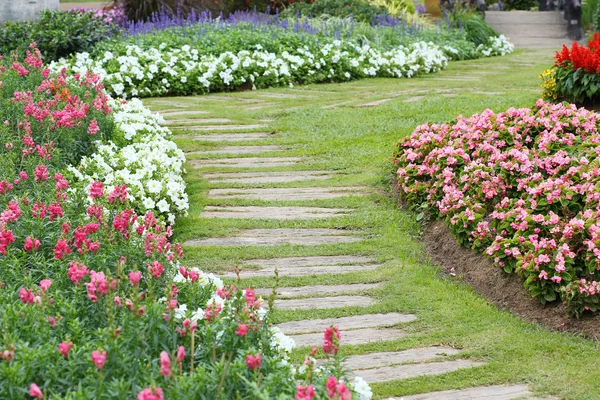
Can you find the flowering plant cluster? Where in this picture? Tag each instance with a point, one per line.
(576, 74)
(96, 302)
(109, 15)
(521, 186)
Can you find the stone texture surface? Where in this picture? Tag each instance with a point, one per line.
(228, 137)
(248, 162)
(187, 121)
(375, 360)
(287, 194)
(240, 150)
(375, 103)
(308, 261)
(182, 112)
(25, 10)
(396, 372)
(413, 99)
(268, 177)
(346, 323)
(317, 290)
(502, 392)
(304, 271)
(279, 213)
(324, 302)
(279, 236)
(225, 127)
(355, 337)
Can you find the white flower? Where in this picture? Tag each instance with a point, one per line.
(197, 315)
(148, 203)
(163, 206)
(280, 341)
(181, 311)
(362, 388)
(154, 186)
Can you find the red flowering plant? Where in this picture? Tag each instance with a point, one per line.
(95, 301)
(575, 76)
(520, 185)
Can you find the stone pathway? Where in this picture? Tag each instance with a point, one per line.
(362, 327)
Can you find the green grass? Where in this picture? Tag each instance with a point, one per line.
(358, 143)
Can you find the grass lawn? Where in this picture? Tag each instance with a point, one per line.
(357, 143)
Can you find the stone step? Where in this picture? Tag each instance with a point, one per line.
(249, 162)
(226, 137)
(303, 271)
(317, 303)
(539, 43)
(309, 261)
(345, 323)
(354, 337)
(267, 177)
(317, 290)
(524, 17)
(385, 359)
(280, 236)
(500, 392)
(181, 112)
(247, 127)
(542, 31)
(288, 194)
(184, 122)
(239, 150)
(396, 372)
(278, 213)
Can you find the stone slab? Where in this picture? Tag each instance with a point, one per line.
(184, 122)
(317, 290)
(309, 261)
(324, 302)
(304, 271)
(396, 372)
(228, 137)
(288, 194)
(280, 236)
(279, 95)
(225, 127)
(246, 162)
(383, 359)
(268, 177)
(355, 337)
(413, 99)
(279, 213)
(346, 323)
(173, 103)
(375, 103)
(240, 150)
(501, 392)
(181, 112)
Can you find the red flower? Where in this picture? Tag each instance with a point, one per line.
(35, 391)
(151, 394)
(253, 362)
(241, 330)
(305, 392)
(331, 340)
(64, 348)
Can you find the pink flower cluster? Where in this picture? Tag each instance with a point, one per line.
(523, 186)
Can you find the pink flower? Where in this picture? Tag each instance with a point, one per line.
(305, 392)
(331, 386)
(76, 272)
(165, 364)
(45, 284)
(151, 394)
(41, 173)
(96, 190)
(343, 391)
(93, 128)
(31, 244)
(156, 269)
(99, 358)
(26, 296)
(134, 277)
(180, 354)
(242, 329)
(35, 391)
(64, 348)
(253, 362)
(331, 340)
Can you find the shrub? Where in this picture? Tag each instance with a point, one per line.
(520, 4)
(57, 34)
(359, 10)
(475, 27)
(396, 8)
(521, 186)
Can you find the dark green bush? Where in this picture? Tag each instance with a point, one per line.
(57, 34)
(474, 26)
(596, 18)
(360, 10)
(520, 4)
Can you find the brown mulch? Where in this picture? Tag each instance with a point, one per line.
(499, 288)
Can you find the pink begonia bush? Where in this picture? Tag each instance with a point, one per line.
(96, 302)
(522, 186)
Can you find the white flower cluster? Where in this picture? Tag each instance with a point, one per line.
(144, 158)
(496, 46)
(155, 72)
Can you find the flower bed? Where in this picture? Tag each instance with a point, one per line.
(575, 76)
(521, 186)
(96, 303)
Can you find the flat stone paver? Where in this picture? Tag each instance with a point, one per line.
(355, 337)
(227, 137)
(345, 323)
(288, 194)
(318, 290)
(383, 359)
(225, 127)
(240, 150)
(280, 236)
(413, 99)
(304, 271)
(375, 103)
(279, 213)
(249, 162)
(186, 121)
(182, 112)
(268, 177)
(396, 372)
(324, 302)
(174, 103)
(309, 261)
(501, 392)
(280, 95)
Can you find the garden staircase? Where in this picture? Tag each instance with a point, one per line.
(531, 29)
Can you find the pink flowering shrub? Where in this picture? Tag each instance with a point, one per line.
(95, 300)
(521, 186)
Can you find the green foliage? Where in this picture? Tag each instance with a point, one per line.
(360, 10)
(596, 18)
(396, 7)
(520, 4)
(588, 11)
(57, 34)
(475, 27)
